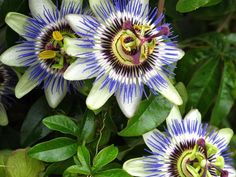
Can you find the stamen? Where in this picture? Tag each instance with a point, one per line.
(57, 36)
(142, 29)
(47, 54)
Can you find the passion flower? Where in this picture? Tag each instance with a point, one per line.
(7, 84)
(125, 47)
(42, 49)
(187, 148)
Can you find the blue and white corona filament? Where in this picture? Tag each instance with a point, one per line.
(124, 47)
(187, 148)
(7, 84)
(42, 49)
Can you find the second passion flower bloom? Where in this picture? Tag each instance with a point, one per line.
(42, 49)
(124, 47)
(8, 80)
(187, 148)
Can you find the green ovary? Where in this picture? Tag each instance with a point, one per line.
(54, 53)
(194, 162)
(131, 47)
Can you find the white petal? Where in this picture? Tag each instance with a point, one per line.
(73, 47)
(151, 139)
(135, 167)
(55, 96)
(17, 22)
(95, 5)
(76, 3)
(25, 85)
(145, 7)
(170, 92)
(97, 96)
(79, 23)
(42, 8)
(3, 116)
(173, 115)
(227, 134)
(231, 170)
(193, 114)
(78, 71)
(168, 53)
(129, 107)
(11, 56)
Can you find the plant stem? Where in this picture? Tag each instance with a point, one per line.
(161, 5)
(225, 23)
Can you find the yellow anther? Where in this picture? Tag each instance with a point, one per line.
(47, 54)
(142, 27)
(220, 162)
(57, 36)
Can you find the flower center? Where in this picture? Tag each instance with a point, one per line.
(132, 45)
(53, 53)
(196, 162)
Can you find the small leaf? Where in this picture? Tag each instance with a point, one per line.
(88, 128)
(84, 158)
(212, 3)
(151, 113)
(113, 173)
(76, 169)
(104, 157)
(19, 164)
(225, 99)
(54, 150)
(58, 168)
(62, 124)
(202, 88)
(190, 5)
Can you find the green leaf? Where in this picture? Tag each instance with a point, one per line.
(62, 124)
(32, 129)
(202, 88)
(151, 113)
(58, 168)
(84, 158)
(216, 11)
(19, 164)
(225, 99)
(212, 3)
(76, 169)
(55, 150)
(88, 129)
(190, 5)
(104, 157)
(112, 173)
(4, 154)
